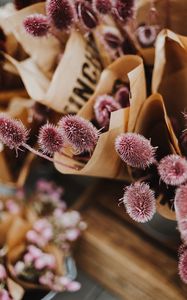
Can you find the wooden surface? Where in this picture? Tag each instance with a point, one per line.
(123, 258)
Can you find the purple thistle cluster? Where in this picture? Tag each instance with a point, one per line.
(85, 15)
(71, 131)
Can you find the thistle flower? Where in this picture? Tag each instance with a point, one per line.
(86, 14)
(79, 133)
(122, 96)
(123, 9)
(147, 35)
(173, 169)
(50, 139)
(103, 107)
(181, 210)
(102, 6)
(140, 202)
(135, 150)
(61, 13)
(36, 25)
(182, 266)
(12, 132)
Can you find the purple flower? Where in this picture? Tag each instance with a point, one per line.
(135, 150)
(182, 266)
(103, 107)
(79, 133)
(122, 96)
(86, 14)
(181, 210)
(123, 9)
(102, 6)
(140, 202)
(147, 35)
(61, 13)
(36, 25)
(50, 139)
(173, 169)
(12, 132)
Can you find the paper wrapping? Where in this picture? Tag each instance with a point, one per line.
(104, 161)
(73, 81)
(170, 74)
(16, 243)
(15, 290)
(153, 123)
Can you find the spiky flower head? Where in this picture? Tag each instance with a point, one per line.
(122, 96)
(12, 132)
(103, 107)
(139, 201)
(86, 14)
(123, 9)
(182, 266)
(147, 35)
(50, 139)
(61, 13)
(181, 210)
(36, 25)
(102, 6)
(173, 169)
(79, 133)
(135, 150)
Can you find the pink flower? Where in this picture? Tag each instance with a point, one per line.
(36, 25)
(147, 35)
(135, 150)
(41, 225)
(122, 96)
(12, 206)
(47, 233)
(3, 274)
(36, 238)
(173, 169)
(19, 267)
(47, 279)
(4, 295)
(34, 251)
(181, 210)
(183, 266)
(28, 258)
(72, 234)
(70, 219)
(73, 286)
(103, 107)
(50, 139)
(61, 13)
(102, 6)
(140, 202)
(86, 14)
(45, 261)
(12, 132)
(79, 133)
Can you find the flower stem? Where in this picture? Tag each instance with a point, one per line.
(38, 153)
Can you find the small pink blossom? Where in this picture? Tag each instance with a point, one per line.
(4, 295)
(135, 150)
(73, 286)
(34, 251)
(47, 279)
(36, 238)
(41, 225)
(45, 261)
(28, 258)
(140, 202)
(19, 267)
(70, 219)
(72, 234)
(3, 274)
(12, 206)
(173, 169)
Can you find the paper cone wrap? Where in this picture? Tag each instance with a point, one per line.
(104, 161)
(170, 74)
